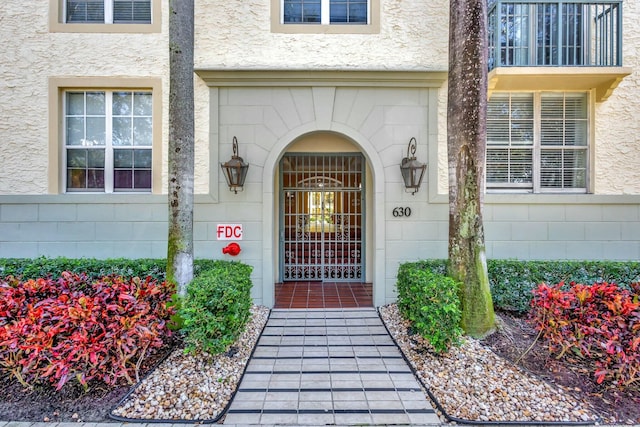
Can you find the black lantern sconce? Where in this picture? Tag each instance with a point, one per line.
(412, 170)
(235, 170)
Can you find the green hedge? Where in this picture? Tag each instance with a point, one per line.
(33, 268)
(430, 302)
(512, 280)
(216, 307)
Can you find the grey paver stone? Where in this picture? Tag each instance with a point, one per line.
(246, 404)
(382, 396)
(280, 404)
(401, 418)
(344, 405)
(242, 418)
(385, 404)
(348, 395)
(315, 419)
(316, 404)
(306, 383)
(279, 419)
(278, 395)
(424, 419)
(352, 419)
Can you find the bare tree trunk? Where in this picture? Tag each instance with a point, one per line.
(181, 144)
(466, 128)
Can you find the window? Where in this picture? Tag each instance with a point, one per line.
(537, 142)
(108, 141)
(325, 11)
(108, 11)
(325, 16)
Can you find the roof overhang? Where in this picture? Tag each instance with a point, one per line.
(603, 79)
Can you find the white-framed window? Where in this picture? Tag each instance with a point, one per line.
(538, 142)
(107, 11)
(325, 12)
(108, 141)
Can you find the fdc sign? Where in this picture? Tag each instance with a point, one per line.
(229, 231)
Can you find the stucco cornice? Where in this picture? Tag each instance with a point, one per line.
(335, 78)
(603, 79)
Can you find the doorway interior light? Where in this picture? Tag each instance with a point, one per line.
(235, 170)
(412, 170)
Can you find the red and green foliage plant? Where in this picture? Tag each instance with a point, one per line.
(598, 323)
(52, 331)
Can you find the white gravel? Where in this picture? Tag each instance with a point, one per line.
(473, 383)
(194, 386)
(470, 382)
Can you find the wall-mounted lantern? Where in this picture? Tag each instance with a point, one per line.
(235, 170)
(412, 170)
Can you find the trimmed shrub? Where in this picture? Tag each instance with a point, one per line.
(43, 267)
(512, 282)
(216, 307)
(430, 302)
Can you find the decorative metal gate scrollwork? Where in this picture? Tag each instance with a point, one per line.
(321, 219)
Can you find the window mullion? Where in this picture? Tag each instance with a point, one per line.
(537, 118)
(108, 11)
(325, 12)
(108, 155)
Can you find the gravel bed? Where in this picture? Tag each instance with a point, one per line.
(472, 383)
(195, 386)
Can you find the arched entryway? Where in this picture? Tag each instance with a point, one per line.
(322, 227)
(322, 221)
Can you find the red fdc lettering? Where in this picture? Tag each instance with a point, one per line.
(229, 231)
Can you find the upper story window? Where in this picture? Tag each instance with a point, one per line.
(538, 142)
(325, 16)
(325, 12)
(105, 16)
(108, 11)
(108, 141)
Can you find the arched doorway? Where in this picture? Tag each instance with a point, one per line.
(322, 217)
(322, 230)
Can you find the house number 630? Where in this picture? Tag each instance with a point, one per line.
(400, 212)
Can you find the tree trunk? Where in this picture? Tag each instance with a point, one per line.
(181, 144)
(466, 140)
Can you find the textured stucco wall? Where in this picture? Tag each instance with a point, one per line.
(31, 54)
(229, 34)
(617, 148)
(413, 35)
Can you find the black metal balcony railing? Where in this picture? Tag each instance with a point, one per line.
(577, 33)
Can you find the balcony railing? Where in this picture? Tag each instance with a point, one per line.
(577, 33)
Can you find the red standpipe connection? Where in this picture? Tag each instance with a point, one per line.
(232, 249)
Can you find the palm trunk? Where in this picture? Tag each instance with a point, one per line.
(466, 129)
(181, 144)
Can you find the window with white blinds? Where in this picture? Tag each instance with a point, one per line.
(325, 12)
(537, 142)
(108, 11)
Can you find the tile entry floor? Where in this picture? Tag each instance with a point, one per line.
(323, 295)
(328, 366)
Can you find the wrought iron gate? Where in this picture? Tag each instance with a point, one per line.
(322, 221)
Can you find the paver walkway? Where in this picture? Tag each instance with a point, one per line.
(328, 366)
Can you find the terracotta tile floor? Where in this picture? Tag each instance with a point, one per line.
(323, 295)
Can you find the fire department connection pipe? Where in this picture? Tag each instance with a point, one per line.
(232, 249)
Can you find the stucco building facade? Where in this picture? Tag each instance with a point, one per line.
(323, 100)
